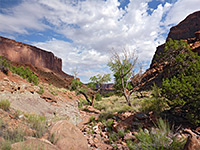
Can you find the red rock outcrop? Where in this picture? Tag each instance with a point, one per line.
(187, 30)
(30, 55)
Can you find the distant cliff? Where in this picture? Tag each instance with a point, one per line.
(187, 30)
(27, 54)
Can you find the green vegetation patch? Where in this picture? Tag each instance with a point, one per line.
(38, 123)
(5, 104)
(25, 73)
(160, 138)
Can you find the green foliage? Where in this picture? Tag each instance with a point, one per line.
(183, 87)
(172, 49)
(118, 79)
(25, 73)
(156, 103)
(41, 91)
(157, 138)
(92, 85)
(109, 94)
(5, 145)
(82, 103)
(5, 104)
(123, 67)
(113, 136)
(4, 65)
(14, 135)
(98, 97)
(4, 62)
(75, 85)
(175, 45)
(109, 125)
(92, 119)
(100, 79)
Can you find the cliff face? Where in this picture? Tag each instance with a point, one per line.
(187, 30)
(27, 54)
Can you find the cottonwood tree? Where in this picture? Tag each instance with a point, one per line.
(95, 85)
(124, 67)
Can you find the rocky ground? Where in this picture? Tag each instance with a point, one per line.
(47, 117)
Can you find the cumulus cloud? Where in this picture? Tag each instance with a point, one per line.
(95, 27)
(88, 62)
(22, 17)
(180, 10)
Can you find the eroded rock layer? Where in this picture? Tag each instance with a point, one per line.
(27, 54)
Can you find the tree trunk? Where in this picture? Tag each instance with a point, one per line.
(127, 99)
(86, 97)
(93, 97)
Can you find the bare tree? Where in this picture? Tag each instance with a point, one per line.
(75, 72)
(124, 67)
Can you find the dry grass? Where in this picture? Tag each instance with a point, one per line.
(118, 104)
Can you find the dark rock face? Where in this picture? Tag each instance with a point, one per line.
(186, 28)
(27, 54)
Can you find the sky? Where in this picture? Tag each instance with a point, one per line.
(83, 32)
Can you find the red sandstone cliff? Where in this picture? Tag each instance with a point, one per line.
(188, 30)
(30, 55)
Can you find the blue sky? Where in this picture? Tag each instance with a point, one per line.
(83, 32)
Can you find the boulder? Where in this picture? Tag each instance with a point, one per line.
(34, 144)
(68, 136)
(193, 141)
(141, 116)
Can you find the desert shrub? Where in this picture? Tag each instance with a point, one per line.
(38, 123)
(82, 103)
(41, 91)
(14, 135)
(5, 145)
(172, 49)
(92, 119)
(105, 116)
(183, 87)
(98, 97)
(160, 137)
(156, 103)
(92, 85)
(109, 94)
(114, 136)
(75, 84)
(5, 104)
(4, 65)
(25, 73)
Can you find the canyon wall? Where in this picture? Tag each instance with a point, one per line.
(27, 54)
(187, 30)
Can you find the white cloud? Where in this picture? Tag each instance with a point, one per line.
(76, 57)
(95, 27)
(23, 17)
(180, 10)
